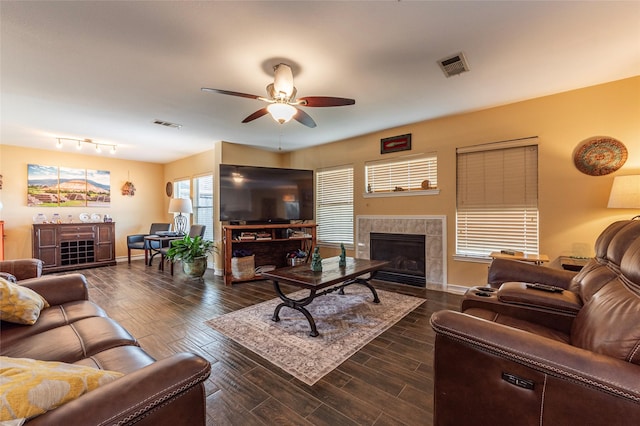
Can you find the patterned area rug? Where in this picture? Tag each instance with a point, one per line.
(345, 322)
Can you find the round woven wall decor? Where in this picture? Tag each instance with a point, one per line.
(600, 155)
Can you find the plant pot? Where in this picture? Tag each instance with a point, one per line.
(197, 268)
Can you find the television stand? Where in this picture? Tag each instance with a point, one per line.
(270, 247)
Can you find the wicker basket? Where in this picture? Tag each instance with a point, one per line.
(243, 268)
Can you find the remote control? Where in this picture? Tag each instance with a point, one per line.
(544, 287)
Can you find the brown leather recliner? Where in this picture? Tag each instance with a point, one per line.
(518, 355)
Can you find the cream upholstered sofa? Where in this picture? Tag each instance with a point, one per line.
(75, 331)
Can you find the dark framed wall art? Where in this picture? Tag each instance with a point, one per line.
(395, 143)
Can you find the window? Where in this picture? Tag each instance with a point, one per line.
(334, 206)
(406, 175)
(203, 204)
(497, 198)
(182, 189)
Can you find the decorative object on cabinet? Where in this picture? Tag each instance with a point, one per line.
(180, 205)
(68, 246)
(52, 186)
(600, 155)
(395, 143)
(40, 218)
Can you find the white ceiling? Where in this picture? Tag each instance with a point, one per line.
(107, 70)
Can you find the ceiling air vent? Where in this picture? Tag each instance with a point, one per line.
(167, 124)
(454, 65)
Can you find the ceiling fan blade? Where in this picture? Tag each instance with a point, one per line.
(259, 113)
(325, 101)
(228, 92)
(304, 118)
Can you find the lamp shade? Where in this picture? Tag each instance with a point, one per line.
(625, 192)
(283, 81)
(180, 205)
(281, 112)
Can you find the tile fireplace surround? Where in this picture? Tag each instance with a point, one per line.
(434, 228)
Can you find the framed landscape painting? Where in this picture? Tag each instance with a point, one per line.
(52, 186)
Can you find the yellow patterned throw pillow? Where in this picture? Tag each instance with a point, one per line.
(20, 304)
(29, 387)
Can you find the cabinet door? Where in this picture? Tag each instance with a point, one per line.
(45, 245)
(105, 242)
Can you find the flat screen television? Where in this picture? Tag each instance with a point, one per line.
(265, 194)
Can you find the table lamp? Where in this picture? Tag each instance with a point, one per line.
(180, 205)
(625, 193)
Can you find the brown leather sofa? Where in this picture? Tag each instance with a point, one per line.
(75, 330)
(519, 355)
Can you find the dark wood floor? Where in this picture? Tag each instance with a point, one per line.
(388, 382)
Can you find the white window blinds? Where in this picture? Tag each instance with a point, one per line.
(402, 175)
(334, 205)
(497, 199)
(203, 204)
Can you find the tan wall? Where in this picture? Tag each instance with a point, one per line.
(248, 156)
(572, 205)
(131, 214)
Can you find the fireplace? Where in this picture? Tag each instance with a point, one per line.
(434, 253)
(406, 254)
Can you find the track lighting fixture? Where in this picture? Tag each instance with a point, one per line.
(98, 146)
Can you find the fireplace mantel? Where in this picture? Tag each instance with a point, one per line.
(434, 228)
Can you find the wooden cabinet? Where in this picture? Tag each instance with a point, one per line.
(270, 247)
(68, 246)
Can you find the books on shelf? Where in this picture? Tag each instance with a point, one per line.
(249, 236)
(246, 236)
(299, 234)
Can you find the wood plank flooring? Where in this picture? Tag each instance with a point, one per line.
(388, 382)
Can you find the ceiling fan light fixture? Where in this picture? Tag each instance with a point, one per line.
(283, 80)
(281, 112)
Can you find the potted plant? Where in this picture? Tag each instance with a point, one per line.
(193, 252)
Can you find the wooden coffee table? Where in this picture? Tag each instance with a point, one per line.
(331, 278)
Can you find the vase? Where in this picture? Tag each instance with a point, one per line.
(197, 268)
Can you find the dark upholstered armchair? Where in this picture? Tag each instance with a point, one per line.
(520, 355)
(137, 242)
(194, 231)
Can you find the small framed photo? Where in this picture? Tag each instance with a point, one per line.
(395, 143)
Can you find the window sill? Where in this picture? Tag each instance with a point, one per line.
(473, 259)
(347, 246)
(434, 191)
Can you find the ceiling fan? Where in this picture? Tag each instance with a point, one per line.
(283, 105)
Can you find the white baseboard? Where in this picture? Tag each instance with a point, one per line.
(456, 289)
